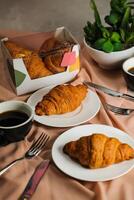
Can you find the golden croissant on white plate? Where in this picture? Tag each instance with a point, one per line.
(61, 99)
(98, 150)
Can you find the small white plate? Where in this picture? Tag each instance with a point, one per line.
(86, 111)
(74, 169)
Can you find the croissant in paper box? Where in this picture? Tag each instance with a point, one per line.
(61, 99)
(98, 151)
(37, 67)
(34, 64)
(53, 52)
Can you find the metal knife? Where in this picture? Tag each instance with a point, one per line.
(34, 180)
(109, 91)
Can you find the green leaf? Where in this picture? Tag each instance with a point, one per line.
(105, 32)
(130, 39)
(123, 34)
(118, 46)
(125, 20)
(119, 5)
(115, 37)
(96, 13)
(19, 77)
(107, 46)
(132, 25)
(99, 43)
(112, 19)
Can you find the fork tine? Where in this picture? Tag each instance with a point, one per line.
(37, 141)
(119, 110)
(110, 107)
(41, 146)
(44, 142)
(40, 143)
(114, 109)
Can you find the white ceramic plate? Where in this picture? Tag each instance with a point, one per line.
(86, 111)
(72, 168)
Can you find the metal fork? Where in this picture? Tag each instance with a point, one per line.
(119, 110)
(34, 150)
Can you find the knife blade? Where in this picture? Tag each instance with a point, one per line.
(35, 179)
(109, 91)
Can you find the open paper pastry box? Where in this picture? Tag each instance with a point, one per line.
(41, 59)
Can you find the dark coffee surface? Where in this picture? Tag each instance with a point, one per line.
(12, 118)
(131, 70)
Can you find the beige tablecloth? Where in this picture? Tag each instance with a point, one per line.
(55, 185)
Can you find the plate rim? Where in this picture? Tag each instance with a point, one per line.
(101, 125)
(61, 126)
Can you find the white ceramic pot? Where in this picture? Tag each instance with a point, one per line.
(111, 60)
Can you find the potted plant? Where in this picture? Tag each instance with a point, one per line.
(111, 44)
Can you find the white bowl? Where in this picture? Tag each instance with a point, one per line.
(111, 60)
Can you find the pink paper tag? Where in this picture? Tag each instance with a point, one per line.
(69, 58)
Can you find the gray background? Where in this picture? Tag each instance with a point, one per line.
(46, 15)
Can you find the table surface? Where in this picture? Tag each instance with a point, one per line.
(55, 185)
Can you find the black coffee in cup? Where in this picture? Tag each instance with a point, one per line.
(128, 73)
(12, 118)
(131, 70)
(16, 119)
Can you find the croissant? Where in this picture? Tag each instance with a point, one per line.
(61, 99)
(98, 151)
(53, 51)
(17, 51)
(53, 62)
(34, 64)
(36, 68)
(52, 44)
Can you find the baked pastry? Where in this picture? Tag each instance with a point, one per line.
(98, 151)
(61, 99)
(16, 50)
(53, 62)
(34, 64)
(52, 44)
(53, 52)
(36, 68)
